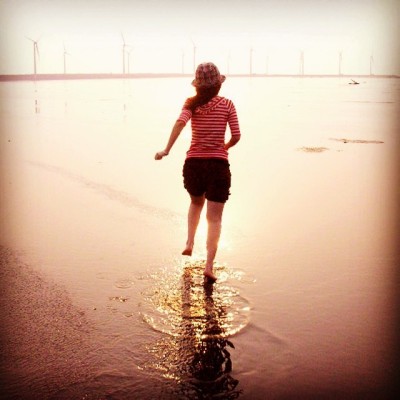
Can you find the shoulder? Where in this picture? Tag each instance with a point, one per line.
(228, 103)
(225, 101)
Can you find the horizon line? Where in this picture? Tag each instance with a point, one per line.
(111, 75)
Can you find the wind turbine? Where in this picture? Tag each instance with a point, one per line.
(123, 53)
(251, 60)
(302, 62)
(65, 60)
(371, 64)
(129, 59)
(340, 62)
(35, 53)
(194, 56)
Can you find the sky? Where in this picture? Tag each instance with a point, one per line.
(261, 36)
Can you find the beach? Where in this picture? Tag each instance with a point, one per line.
(98, 302)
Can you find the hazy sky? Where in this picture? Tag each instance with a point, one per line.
(161, 34)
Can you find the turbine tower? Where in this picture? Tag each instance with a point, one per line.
(251, 61)
(123, 53)
(65, 54)
(302, 62)
(371, 64)
(129, 59)
(35, 53)
(194, 56)
(340, 63)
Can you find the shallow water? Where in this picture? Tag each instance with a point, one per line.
(305, 301)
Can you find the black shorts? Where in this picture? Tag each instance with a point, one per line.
(209, 176)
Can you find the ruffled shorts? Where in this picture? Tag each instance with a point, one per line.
(207, 176)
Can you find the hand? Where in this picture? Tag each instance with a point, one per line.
(160, 155)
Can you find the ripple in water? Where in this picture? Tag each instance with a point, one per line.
(194, 357)
(181, 297)
(124, 284)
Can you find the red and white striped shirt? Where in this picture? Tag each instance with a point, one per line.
(209, 126)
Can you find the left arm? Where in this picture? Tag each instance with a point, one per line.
(234, 127)
(234, 139)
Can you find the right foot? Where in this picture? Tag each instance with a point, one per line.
(210, 276)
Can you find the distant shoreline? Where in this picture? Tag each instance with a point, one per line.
(53, 77)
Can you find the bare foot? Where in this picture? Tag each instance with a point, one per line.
(210, 276)
(187, 252)
(188, 248)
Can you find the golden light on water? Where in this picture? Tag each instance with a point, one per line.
(182, 296)
(198, 319)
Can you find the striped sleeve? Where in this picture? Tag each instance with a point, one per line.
(233, 120)
(185, 115)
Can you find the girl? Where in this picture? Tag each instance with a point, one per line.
(206, 170)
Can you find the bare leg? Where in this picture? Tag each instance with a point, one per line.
(214, 219)
(195, 208)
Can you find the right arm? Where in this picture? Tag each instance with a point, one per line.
(176, 130)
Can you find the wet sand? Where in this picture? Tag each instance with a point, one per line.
(45, 339)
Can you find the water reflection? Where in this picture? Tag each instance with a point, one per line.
(199, 317)
(211, 365)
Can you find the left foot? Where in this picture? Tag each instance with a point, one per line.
(188, 249)
(187, 252)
